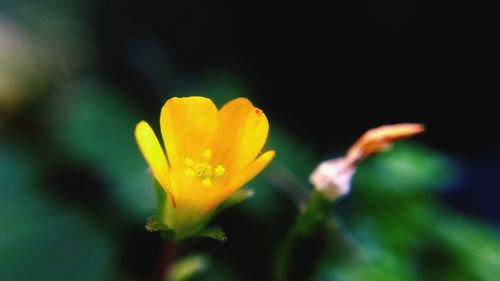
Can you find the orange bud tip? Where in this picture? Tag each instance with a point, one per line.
(380, 138)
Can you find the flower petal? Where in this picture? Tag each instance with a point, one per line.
(206, 201)
(187, 126)
(153, 153)
(241, 134)
(250, 171)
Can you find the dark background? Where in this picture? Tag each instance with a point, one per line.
(330, 70)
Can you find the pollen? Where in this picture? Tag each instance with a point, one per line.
(203, 169)
(189, 162)
(219, 170)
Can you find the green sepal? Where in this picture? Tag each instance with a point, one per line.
(236, 198)
(215, 233)
(161, 195)
(154, 224)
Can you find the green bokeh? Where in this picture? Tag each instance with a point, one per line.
(70, 113)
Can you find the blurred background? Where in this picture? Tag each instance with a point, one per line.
(76, 76)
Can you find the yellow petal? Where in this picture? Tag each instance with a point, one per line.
(153, 153)
(241, 134)
(250, 171)
(208, 198)
(187, 126)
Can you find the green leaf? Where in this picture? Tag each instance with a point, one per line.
(375, 264)
(474, 247)
(215, 233)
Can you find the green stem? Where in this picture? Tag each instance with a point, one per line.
(284, 254)
(309, 220)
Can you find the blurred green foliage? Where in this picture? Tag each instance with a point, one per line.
(188, 267)
(41, 239)
(392, 227)
(399, 230)
(92, 124)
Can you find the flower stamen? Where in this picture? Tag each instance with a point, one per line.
(219, 170)
(203, 169)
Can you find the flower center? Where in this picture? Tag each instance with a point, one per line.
(203, 169)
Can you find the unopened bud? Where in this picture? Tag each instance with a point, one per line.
(333, 177)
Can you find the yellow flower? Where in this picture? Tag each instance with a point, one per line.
(211, 153)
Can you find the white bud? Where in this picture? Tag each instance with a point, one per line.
(333, 177)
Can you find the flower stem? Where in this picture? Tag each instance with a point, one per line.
(167, 260)
(308, 221)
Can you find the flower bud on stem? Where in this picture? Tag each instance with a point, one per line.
(331, 180)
